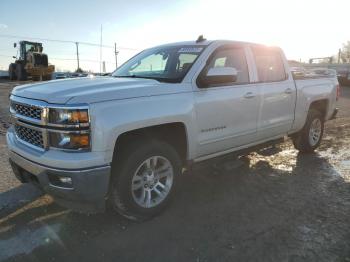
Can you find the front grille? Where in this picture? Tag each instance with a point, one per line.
(27, 110)
(30, 136)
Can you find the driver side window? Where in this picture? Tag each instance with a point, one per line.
(232, 57)
(154, 63)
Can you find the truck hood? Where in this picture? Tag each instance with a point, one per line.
(95, 89)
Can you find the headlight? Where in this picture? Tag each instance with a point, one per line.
(73, 131)
(76, 117)
(70, 141)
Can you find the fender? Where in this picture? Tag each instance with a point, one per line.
(114, 118)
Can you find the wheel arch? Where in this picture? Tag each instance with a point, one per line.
(320, 105)
(174, 133)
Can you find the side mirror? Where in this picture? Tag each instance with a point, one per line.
(14, 57)
(219, 75)
(14, 45)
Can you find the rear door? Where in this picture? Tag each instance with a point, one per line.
(227, 114)
(278, 92)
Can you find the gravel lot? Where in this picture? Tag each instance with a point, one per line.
(277, 205)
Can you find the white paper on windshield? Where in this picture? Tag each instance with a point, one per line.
(190, 50)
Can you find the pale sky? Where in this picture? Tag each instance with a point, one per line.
(303, 28)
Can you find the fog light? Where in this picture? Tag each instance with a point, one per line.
(60, 181)
(66, 180)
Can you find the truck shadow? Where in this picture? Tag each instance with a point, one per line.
(18, 197)
(271, 208)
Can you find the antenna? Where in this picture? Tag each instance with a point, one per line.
(200, 39)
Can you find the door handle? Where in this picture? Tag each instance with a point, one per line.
(249, 95)
(288, 91)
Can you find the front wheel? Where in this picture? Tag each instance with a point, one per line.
(21, 73)
(47, 77)
(309, 138)
(12, 71)
(144, 178)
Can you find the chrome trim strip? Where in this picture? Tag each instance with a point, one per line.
(27, 101)
(82, 125)
(60, 187)
(43, 129)
(27, 119)
(19, 122)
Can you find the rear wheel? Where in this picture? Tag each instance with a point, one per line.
(36, 78)
(47, 77)
(144, 178)
(309, 138)
(21, 72)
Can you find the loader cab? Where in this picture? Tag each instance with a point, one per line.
(26, 47)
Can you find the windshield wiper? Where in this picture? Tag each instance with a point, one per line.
(127, 76)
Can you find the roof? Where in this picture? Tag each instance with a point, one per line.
(208, 42)
(30, 42)
(205, 42)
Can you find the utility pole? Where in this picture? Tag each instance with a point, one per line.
(339, 54)
(101, 52)
(77, 44)
(116, 55)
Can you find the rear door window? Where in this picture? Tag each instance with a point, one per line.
(269, 65)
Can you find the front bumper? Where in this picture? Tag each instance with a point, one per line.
(87, 192)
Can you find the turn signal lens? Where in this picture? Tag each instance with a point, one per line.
(70, 141)
(80, 140)
(79, 117)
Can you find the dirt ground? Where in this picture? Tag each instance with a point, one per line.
(277, 205)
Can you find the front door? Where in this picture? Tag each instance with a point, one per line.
(227, 114)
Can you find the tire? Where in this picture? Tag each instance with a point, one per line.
(21, 73)
(47, 77)
(310, 137)
(35, 78)
(132, 169)
(12, 71)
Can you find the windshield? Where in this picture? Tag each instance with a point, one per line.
(32, 47)
(168, 64)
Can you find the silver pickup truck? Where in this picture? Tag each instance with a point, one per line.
(125, 139)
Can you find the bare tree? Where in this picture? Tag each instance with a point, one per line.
(345, 53)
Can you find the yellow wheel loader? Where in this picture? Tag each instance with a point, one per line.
(32, 62)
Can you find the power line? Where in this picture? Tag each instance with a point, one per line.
(84, 60)
(69, 59)
(65, 41)
(51, 40)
